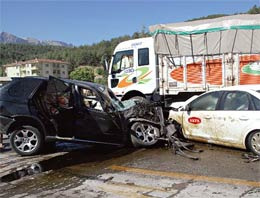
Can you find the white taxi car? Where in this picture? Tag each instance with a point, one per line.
(228, 116)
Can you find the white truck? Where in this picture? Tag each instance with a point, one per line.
(184, 59)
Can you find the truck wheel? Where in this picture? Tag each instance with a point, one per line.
(144, 134)
(253, 142)
(26, 140)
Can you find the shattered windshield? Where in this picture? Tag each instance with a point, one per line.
(117, 104)
(127, 104)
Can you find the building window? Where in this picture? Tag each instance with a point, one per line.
(54, 71)
(58, 71)
(47, 72)
(63, 72)
(62, 66)
(34, 73)
(47, 65)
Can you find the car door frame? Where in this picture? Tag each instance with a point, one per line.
(64, 125)
(236, 139)
(102, 116)
(192, 119)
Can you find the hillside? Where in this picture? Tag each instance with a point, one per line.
(83, 55)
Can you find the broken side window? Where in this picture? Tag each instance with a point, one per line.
(58, 95)
(90, 99)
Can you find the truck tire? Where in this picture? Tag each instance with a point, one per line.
(26, 140)
(143, 134)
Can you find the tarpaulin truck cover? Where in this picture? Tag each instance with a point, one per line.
(229, 34)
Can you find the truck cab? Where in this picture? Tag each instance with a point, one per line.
(185, 59)
(132, 70)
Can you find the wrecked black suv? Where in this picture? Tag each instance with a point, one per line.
(36, 111)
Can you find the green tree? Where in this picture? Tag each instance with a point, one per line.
(83, 73)
(254, 10)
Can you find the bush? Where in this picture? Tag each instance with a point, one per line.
(102, 81)
(100, 71)
(83, 73)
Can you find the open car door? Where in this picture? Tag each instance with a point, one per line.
(94, 122)
(59, 102)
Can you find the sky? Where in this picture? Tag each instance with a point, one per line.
(84, 22)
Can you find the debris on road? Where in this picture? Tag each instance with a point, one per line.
(179, 146)
(250, 157)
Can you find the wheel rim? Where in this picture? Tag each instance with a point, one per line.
(25, 140)
(255, 142)
(146, 133)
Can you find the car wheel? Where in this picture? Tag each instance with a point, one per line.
(26, 140)
(253, 142)
(144, 134)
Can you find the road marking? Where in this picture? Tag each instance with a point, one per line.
(131, 190)
(185, 176)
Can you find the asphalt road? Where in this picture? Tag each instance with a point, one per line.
(101, 171)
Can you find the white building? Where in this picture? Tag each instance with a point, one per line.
(4, 80)
(37, 67)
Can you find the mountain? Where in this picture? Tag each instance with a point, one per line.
(10, 38)
(56, 43)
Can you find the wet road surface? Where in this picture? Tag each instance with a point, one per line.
(102, 171)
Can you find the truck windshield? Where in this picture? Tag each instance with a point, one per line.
(122, 60)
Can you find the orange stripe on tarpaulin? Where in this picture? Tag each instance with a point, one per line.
(194, 72)
(247, 78)
(214, 72)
